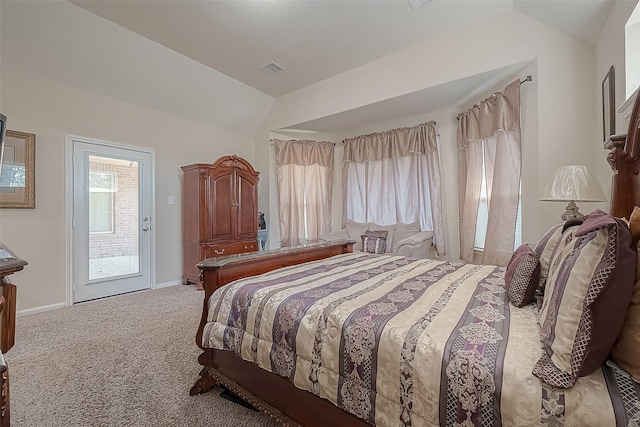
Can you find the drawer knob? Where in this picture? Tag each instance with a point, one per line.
(218, 252)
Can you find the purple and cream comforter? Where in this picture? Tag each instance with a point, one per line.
(409, 342)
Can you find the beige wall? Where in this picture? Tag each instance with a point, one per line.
(67, 71)
(562, 126)
(51, 111)
(610, 51)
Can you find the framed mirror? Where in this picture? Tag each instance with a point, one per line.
(608, 105)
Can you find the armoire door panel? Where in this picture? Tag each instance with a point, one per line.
(222, 207)
(247, 208)
(196, 211)
(192, 192)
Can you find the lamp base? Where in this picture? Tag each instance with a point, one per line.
(571, 212)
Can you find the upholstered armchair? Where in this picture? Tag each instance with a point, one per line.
(396, 239)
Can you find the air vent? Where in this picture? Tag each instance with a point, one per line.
(417, 4)
(272, 68)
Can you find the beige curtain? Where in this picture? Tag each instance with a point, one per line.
(304, 172)
(489, 135)
(394, 176)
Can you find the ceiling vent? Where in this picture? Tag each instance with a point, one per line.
(272, 68)
(417, 4)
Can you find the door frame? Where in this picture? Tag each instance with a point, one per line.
(68, 166)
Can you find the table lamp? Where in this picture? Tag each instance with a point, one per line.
(573, 184)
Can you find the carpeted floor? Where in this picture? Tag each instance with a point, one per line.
(123, 361)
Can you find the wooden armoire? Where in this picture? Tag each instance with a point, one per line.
(219, 211)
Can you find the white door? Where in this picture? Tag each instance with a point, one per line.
(112, 202)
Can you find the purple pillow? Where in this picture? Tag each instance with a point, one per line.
(522, 276)
(591, 278)
(374, 241)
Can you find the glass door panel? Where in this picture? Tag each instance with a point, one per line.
(114, 212)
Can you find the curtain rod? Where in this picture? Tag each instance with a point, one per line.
(526, 79)
(271, 140)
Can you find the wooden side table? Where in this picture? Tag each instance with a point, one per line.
(5, 416)
(9, 264)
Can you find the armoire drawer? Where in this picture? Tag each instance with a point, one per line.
(231, 248)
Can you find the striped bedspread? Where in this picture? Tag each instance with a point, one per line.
(399, 341)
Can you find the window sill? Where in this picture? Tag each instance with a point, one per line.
(478, 253)
(626, 108)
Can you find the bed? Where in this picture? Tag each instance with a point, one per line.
(321, 336)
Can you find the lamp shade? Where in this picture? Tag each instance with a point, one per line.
(573, 183)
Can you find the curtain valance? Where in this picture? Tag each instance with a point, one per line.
(304, 152)
(500, 111)
(391, 144)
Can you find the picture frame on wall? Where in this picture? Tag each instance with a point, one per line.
(608, 105)
(18, 171)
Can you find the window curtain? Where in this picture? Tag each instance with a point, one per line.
(394, 176)
(488, 135)
(304, 172)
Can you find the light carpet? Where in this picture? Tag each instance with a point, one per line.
(124, 361)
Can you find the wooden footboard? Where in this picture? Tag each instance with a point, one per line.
(267, 392)
(217, 272)
(271, 394)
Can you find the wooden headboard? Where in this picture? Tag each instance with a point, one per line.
(624, 159)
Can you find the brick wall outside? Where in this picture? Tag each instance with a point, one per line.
(124, 239)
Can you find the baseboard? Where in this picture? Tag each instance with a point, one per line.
(40, 309)
(49, 307)
(167, 284)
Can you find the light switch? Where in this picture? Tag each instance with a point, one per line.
(172, 200)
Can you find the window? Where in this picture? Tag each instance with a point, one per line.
(483, 216)
(632, 52)
(393, 177)
(101, 194)
(304, 171)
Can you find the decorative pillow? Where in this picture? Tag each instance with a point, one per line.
(522, 276)
(404, 231)
(626, 350)
(591, 277)
(374, 242)
(544, 249)
(355, 230)
(390, 229)
(547, 245)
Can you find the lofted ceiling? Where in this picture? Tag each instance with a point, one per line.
(313, 39)
(201, 60)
